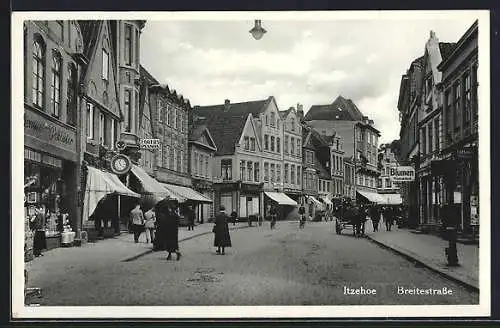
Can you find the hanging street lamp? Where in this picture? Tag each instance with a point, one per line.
(257, 31)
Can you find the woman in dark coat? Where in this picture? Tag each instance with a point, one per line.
(222, 238)
(167, 233)
(37, 225)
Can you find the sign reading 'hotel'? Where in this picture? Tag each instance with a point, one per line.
(402, 173)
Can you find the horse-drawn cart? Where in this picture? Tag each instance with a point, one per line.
(350, 218)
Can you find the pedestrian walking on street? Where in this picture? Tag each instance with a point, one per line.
(222, 238)
(273, 214)
(149, 225)
(189, 213)
(375, 217)
(137, 218)
(37, 224)
(302, 214)
(388, 218)
(234, 215)
(167, 234)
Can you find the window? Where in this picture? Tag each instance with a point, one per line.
(247, 143)
(273, 177)
(424, 140)
(226, 169)
(298, 175)
(474, 104)
(128, 110)
(159, 157)
(309, 157)
(292, 124)
(272, 143)
(285, 174)
(178, 119)
(286, 145)
(299, 146)
(250, 171)
(360, 135)
(180, 165)
(242, 170)
(206, 167)
(429, 142)
(436, 134)
(128, 45)
(55, 95)
(292, 174)
(90, 121)
(137, 47)
(266, 171)
(266, 142)
(112, 133)
(105, 65)
(272, 119)
(448, 110)
(456, 105)
(467, 101)
(267, 122)
(38, 74)
(160, 110)
(292, 146)
(167, 109)
(101, 128)
(71, 95)
(256, 172)
(278, 145)
(278, 172)
(252, 144)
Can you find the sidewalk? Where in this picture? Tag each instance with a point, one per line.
(429, 251)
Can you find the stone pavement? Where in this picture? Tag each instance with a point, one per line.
(429, 250)
(117, 249)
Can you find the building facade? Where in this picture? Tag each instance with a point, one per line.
(458, 170)
(360, 140)
(313, 171)
(408, 104)
(337, 166)
(430, 132)
(54, 62)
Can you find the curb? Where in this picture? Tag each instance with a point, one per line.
(149, 251)
(422, 262)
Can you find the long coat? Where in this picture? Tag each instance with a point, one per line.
(221, 230)
(167, 234)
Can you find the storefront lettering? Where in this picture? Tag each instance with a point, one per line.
(53, 133)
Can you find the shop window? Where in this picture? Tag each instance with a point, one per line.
(90, 121)
(38, 73)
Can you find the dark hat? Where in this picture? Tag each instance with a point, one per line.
(222, 208)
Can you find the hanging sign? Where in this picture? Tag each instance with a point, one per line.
(402, 173)
(150, 144)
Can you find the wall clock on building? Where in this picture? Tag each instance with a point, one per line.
(120, 164)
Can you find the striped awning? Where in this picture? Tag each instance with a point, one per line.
(280, 198)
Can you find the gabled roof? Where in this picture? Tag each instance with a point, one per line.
(172, 93)
(341, 109)
(90, 33)
(197, 131)
(284, 113)
(225, 128)
(446, 49)
(243, 108)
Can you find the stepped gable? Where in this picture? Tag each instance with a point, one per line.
(341, 109)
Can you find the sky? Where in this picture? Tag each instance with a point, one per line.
(310, 62)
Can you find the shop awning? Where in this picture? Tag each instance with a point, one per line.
(150, 186)
(100, 184)
(280, 198)
(371, 196)
(186, 193)
(392, 199)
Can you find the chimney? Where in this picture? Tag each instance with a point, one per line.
(227, 104)
(370, 122)
(300, 112)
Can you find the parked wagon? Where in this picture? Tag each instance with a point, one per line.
(350, 218)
